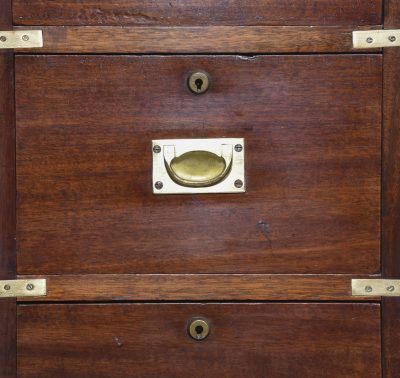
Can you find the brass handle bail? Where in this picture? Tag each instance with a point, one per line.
(198, 168)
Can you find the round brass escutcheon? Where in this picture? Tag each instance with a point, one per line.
(199, 329)
(199, 82)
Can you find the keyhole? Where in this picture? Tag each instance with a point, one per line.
(199, 330)
(199, 84)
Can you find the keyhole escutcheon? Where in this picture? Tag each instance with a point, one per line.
(199, 82)
(199, 329)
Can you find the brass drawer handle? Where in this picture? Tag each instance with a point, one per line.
(197, 169)
(199, 329)
(187, 166)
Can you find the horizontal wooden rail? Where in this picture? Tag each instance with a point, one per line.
(209, 39)
(198, 287)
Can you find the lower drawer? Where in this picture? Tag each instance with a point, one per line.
(245, 340)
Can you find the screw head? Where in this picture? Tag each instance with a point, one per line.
(370, 40)
(7, 287)
(368, 289)
(238, 183)
(3, 38)
(158, 185)
(392, 38)
(238, 148)
(156, 149)
(390, 288)
(30, 287)
(25, 37)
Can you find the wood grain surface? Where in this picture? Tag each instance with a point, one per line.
(199, 40)
(391, 195)
(197, 287)
(312, 126)
(7, 200)
(246, 340)
(197, 13)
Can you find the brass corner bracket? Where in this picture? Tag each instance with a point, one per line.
(23, 288)
(376, 39)
(21, 39)
(375, 288)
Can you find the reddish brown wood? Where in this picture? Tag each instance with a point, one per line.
(194, 12)
(197, 287)
(7, 200)
(7, 154)
(246, 340)
(312, 128)
(391, 195)
(211, 39)
(391, 151)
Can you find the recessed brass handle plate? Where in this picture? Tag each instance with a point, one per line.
(199, 329)
(187, 166)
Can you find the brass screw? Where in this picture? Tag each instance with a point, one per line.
(25, 37)
(30, 287)
(3, 38)
(7, 287)
(368, 289)
(370, 40)
(158, 185)
(238, 148)
(238, 183)
(390, 288)
(392, 38)
(156, 149)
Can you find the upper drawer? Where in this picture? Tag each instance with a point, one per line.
(197, 13)
(312, 130)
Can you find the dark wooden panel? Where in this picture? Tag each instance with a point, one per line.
(259, 340)
(197, 287)
(391, 195)
(195, 12)
(7, 200)
(212, 39)
(391, 151)
(7, 161)
(312, 126)
(391, 337)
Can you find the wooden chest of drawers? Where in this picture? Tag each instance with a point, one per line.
(260, 278)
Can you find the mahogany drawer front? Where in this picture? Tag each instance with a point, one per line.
(245, 340)
(197, 13)
(312, 127)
